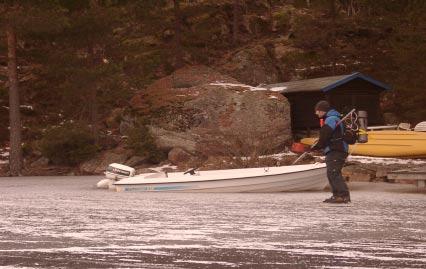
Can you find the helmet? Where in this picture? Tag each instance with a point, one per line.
(322, 106)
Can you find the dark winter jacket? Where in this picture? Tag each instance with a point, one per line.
(331, 136)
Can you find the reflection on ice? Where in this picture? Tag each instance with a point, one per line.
(56, 222)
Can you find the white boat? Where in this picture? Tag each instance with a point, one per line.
(307, 177)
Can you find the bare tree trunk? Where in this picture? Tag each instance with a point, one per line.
(350, 6)
(236, 21)
(355, 7)
(178, 32)
(308, 3)
(15, 159)
(94, 113)
(270, 16)
(95, 60)
(332, 9)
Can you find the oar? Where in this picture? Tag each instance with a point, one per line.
(303, 154)
(300, 157)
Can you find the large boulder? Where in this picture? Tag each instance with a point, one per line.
(178, 155)
(236, 120)
(201, 111)
(168, 139)
(97, 166)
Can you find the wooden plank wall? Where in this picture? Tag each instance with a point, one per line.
(357, 93)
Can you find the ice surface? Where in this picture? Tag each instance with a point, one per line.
(67, 222)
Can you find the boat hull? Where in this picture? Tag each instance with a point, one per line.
(268, 180)
(387, 144)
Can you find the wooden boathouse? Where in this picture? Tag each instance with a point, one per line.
(343, 92)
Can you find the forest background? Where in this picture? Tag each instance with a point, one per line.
(72, 62)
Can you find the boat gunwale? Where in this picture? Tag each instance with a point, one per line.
(200, 190)
(210, 180)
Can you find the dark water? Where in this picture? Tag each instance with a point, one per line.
(64, 222)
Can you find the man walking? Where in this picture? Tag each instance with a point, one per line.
(335, 150)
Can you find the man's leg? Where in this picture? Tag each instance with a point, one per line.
(330, 165)
(335, 163)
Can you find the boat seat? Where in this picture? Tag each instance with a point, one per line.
(404, 126)
(382, 127)
(190, 171)
(157, 175)
(420, 127)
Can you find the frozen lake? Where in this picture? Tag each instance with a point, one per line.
(54, 222)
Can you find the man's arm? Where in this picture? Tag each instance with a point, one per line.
(326, 133)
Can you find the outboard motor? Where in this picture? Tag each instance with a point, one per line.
(114, 172)
(118, 171)
(363, 123)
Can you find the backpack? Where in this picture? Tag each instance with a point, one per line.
(350, 136)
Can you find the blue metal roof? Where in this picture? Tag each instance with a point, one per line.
(354, 76)
(324, 84)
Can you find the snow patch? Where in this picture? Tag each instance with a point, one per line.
(251, 88)
(277, 89)
(27, 107)
(161, 168)
(279, 155)
(379, 160)
(4, 154)
(226, 85)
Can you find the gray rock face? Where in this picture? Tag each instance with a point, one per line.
(135, 160)
(98, 165)
(240, 121)
(127, 122)
(206, 116)
(178, 155)
(42, 161)
(167, 139)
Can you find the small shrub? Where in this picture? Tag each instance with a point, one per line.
(143, 144)
(27, 150)
(283, 20)
(4, 123)
(243, 148)
(68, 144)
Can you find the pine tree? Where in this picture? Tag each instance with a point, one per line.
(15, 159)
(178, 33)
(19, 19)
(84, 69)
(236, 11)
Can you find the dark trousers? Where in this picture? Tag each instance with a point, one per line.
(335, 161)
